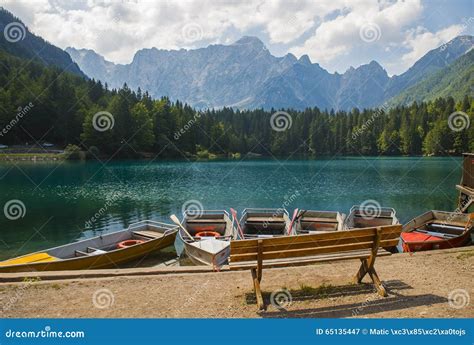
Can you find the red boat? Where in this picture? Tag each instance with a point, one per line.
(437, 230)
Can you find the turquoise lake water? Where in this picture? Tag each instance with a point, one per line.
(61, 197)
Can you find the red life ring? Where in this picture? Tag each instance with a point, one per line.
(207, 234)
(128, 243)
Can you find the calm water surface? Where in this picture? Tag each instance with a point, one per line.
(61, 197)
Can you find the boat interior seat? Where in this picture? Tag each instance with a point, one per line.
(147, 234)
(211, 221)
(437, 234)
(447, 226)
(89, 251)
(360, 215)
(264, 220)
(451, 223)
(318, 220)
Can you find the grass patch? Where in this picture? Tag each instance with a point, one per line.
(31, 156)
(31, 279)
(465, 255)
(321, 291)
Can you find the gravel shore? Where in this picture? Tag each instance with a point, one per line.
(430, 284)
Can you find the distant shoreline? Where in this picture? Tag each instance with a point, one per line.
(49, 157)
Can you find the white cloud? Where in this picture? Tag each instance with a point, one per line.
(419, 41)
(328, 31)
(342, 35)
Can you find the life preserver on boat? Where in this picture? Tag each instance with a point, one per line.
(128, 243)
(208, 234)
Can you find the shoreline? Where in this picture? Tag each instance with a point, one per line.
(48, 157)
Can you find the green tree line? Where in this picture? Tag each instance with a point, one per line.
(65, 107)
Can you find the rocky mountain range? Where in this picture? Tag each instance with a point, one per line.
(246, 75)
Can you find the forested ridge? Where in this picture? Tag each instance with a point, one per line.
(64, 106)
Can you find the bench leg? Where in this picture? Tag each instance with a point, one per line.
(258, 292)
(362, 271)
(378, 284)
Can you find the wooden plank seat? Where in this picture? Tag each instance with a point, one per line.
(210, 221)
(317, 220)
(364, 216)
(286, 251)
(265, 220)
(148, 234)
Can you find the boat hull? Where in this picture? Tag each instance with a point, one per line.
(209, 251)
(426, 231)
(106, 260)
(416, 246)
(202, 257)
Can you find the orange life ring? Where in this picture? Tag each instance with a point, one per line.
(128, 243)
(208, 234)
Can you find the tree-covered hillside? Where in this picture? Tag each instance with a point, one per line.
(17, 40)
(456, 80)
(65, 109)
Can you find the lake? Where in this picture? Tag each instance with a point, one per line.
(61, 198)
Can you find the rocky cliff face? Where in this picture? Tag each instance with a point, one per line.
(245, 75)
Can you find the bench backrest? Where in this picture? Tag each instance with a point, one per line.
(315, 244)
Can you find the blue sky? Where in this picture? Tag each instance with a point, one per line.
(336, 34)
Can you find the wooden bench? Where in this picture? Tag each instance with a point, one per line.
(363, 244)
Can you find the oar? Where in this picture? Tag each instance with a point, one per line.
(295, 213)
(234, 216)
(176, 220)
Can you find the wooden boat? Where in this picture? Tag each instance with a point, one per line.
(315, 222)
(207, 237)
(364, 217)
(102, 251)
(437, 230)
(264, 223)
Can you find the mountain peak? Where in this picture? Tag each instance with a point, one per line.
(305, 60)
(250, 40)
